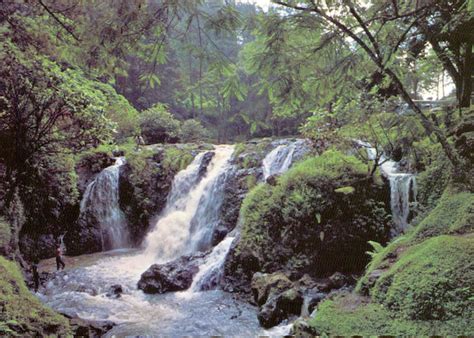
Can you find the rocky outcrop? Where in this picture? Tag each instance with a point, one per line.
(173, 276)
(317, 222)
(279, 298)
(89, 166)
(279, 307)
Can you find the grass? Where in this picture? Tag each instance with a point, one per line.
(22, 314)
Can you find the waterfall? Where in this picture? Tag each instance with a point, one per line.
(402, 187)
(279, 159)
(101, 201)
(187, 220)
(210, 271)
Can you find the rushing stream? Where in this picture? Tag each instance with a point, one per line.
(185, 226)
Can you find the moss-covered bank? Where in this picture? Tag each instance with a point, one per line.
(21, 313)
(420, 284)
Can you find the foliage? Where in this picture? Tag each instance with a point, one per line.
(158, 125)
(192, 131)
(22, 313)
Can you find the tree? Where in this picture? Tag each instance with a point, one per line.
(379, 30)
(158, 125)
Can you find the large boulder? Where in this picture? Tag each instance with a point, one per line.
(316, 220)
(173, 276)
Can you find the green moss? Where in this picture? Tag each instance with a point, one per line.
(22, 314)
(176, 159)
(5, 234)
(431, 280)
(454, 214)
(250, 181)
(332, 165)
(239, 149)
(345, 190)
(351, 315)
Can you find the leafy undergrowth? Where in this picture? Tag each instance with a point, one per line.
(21, 313)
(421, 284)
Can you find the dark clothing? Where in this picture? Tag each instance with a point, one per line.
(59, 260)
(36, 277)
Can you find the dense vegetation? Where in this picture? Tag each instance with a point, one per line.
(81, 81)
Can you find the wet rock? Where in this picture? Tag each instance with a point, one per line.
(206, 159)
(265, 285)
(90, 328)
(301, 328)
(43, 246)
(272, 180)
(239, 269)
(173, 276)
(280, 307)
(89, 166)
(338, 280)
(115, 291)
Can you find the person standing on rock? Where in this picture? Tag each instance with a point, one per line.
(59, 258)
(36, 277)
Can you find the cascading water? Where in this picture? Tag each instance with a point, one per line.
(402, 187)
(101, 201)
(210, 271)
(186, 223)
(279, 159)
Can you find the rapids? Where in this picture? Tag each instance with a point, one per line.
(184, 227)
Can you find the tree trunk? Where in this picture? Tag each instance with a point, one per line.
(466, 85)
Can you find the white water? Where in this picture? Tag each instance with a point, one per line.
(279, 159)
(210, 271)
(186, 222)
(402, 187)
(101, 201)
(173, 235)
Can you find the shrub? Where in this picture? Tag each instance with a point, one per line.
(158, 125)
(192, 130)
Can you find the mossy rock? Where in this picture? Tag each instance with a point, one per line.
(303, 224)
(265, 285)
(22, 314)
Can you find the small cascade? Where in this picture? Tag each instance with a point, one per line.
(175, 233)
(101, 201)
(403, 188)
(207, 216)
(280, 159)
(211, 270)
